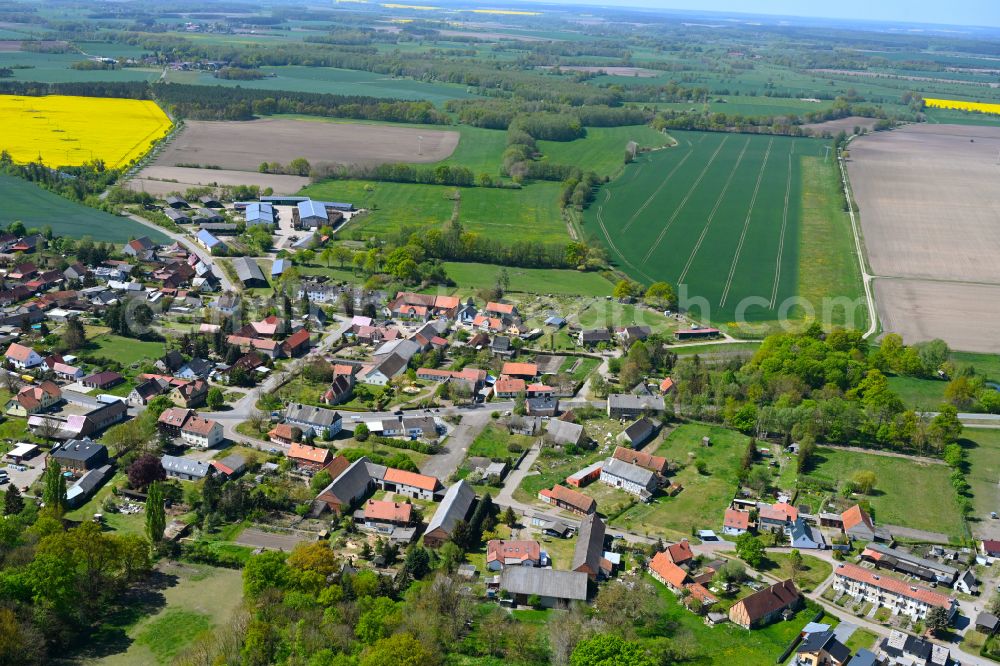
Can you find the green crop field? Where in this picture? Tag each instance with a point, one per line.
(529, 280)
(530, 213)
(336, 81)
(719, 215)
(36, 207)
(56, 68)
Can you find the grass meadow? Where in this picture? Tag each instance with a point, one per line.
(719, 213)
(39, 208)
(983, 450)
(907, 493)
(705, 497)
(193, 599)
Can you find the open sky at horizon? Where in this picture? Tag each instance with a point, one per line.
(973, 13)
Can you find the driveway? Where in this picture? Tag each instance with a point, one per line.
(446, 463)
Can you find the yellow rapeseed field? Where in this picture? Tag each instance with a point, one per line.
(962, 106)
(68, 131)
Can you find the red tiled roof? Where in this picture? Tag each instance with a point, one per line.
(500, 550)
(631, 456)
(780, 511)
(737, 519)
(991, 546)
(281, 431)
(388, 511)
(893, 585)
(509, 385)
(174, 416)
(667, 570)
(699, 592)
(401, 477)
(568, 496)
(667, 385)
(199, 426)
(511, 368)
(310, 453)
(502, 308)
(18, 352)
(297, 339)
(855, 516)
(679, 552)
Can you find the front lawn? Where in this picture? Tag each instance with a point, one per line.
(814, 570)
(702, 502)
(493, 443)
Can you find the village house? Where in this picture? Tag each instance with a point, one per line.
(34, 399)
(455, 506)
(346, 490)
(385, 370)
(623, 405)
(140, 248)
(509, 387)
(638, 433)
(668, 573)
(325, 423)
(67, 372)
(568, 500)
(541, 406)
(657, 464)
(629, 335)
(821, 648)
(588, 555)
(525, 371)
(231, 466)
(185, 469)
(190, 394)
(392, 519)
(563, 433)
(80, 455)
(551, 588)
(504, 311)
(296, 344)
(501, 554)
(309, 458)
(631, 478)
(201, 432)
(284, 434)
(340, 390)
(900, 597)
(172, 420)
(593, 336)
(22, 357)
(765, 606)
(411, 484)
(679, 553)
(146, 390)
(901, 649)
(906, 562)
(735, 522)
(777, 518)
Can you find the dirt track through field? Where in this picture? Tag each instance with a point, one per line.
(243, 145)
(930, 214)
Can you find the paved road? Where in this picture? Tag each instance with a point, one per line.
(191, 246)
(967, 608)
